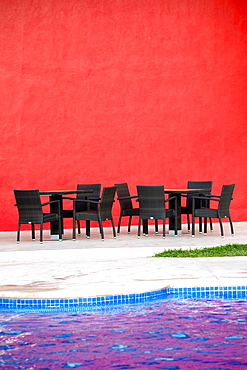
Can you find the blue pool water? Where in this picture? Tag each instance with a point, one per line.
(167, 334)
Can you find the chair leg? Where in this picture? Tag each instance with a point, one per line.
(129, 224)
(145, 227)
(231, 225)
(33, 232)
(79, 227)
(156, 226)
(41, 234)
(101, 230)
(88, 229)
(164, 228)
(205, 225)
(211, 224)
(200, 225)
(139, 227)
(193, 225)
(221, 228)
(74, 226)
(18, 233)
(119, 223)
(188, 221)
(113, 229)
(60, 230)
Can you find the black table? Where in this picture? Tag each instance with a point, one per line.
(58, 195)
(178, 193)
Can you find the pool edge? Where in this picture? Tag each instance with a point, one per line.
(107, 302)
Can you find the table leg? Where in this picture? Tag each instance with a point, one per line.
(54, 209)
(172, 219)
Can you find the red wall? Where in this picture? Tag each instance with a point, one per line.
(144, 92)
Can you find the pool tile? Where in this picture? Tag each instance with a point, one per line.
(36, 305)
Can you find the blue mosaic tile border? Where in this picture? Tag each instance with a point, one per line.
(87, 304)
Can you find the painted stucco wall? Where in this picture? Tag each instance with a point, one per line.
(144, 92)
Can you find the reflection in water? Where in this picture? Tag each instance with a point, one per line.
(169, 334)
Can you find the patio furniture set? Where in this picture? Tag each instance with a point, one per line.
(151, 203)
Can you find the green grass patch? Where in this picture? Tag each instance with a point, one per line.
(228, 250)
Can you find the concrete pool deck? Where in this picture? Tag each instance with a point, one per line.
(91, 267)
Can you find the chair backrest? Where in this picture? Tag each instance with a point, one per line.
(151, 202)
(123, 191)
(225, 200)
(207, 185)
(82, 206)
(107, 200)
(29, 206)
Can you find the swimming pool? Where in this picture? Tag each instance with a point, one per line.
(176, 333)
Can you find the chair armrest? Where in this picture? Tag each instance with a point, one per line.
(210, 197)
(86, 201)
(52, 201)
(171, 198)
(128, 197)
(81, 200)
(201, 198)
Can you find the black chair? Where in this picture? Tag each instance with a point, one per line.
(30, 212)
(102, 213)
(187, 210)
(222, 211)
(81, 205)
(152, 206)
(126, 205)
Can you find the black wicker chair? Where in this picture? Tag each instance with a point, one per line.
(222, 211)
(152, 206)
(187, 210)
(102, 213)
(81, 205)
(30, 212)
(126, 205)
